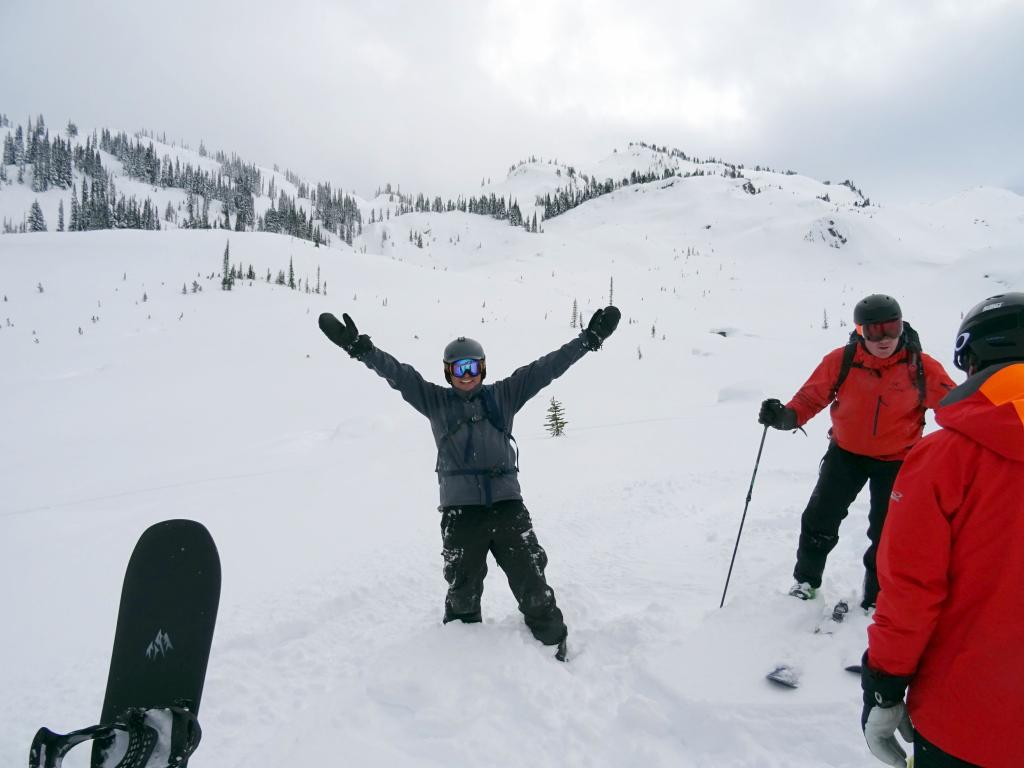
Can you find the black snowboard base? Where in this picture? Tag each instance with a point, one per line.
(165, 625)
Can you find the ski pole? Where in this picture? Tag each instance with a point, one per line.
(750, 493)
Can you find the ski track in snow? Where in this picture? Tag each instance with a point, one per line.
(316, 480)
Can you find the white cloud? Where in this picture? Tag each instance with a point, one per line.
(436, 95)
(603, 60)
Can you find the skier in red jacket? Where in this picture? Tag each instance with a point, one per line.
(879, 387)
(949, 622)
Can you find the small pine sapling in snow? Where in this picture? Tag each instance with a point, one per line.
(227, 279)
(555, 421)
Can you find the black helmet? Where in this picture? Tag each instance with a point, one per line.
(463, 348)
(992, 332)
(460, 349)
(876, 308)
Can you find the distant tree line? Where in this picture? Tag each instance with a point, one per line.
(50, 162)
(485, 205)
(566, 198)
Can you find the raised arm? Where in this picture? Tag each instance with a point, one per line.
(527, 381)
(422, 395)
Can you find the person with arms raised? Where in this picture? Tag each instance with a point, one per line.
(482, 507)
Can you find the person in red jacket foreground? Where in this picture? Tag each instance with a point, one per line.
(879, 386)
(949, 620)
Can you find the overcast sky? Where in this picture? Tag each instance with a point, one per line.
(911, 99)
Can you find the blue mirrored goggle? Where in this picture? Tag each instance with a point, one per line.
(465, 367)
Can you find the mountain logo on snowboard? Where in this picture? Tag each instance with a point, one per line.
(160, 646)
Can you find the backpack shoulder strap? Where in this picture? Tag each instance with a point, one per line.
(844, 368)
(492, 411)
(913, 343)
(494, 416)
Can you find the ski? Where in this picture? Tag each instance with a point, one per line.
(830, 625)
(788, 675)
(785, 675)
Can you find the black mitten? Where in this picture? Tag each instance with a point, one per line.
(601, 326)
(345, 334)
(774, 414)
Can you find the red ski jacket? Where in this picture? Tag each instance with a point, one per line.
(877, 412)
(951, 566)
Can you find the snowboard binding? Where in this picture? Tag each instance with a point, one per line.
(156, 738)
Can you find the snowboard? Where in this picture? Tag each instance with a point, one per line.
(162, 641)
(164, 624)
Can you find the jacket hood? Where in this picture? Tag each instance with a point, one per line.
(989, 409)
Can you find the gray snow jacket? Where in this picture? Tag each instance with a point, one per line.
(476, 461)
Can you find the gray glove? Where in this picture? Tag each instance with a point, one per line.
(880, 733)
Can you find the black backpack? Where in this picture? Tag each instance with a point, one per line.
(911, 341)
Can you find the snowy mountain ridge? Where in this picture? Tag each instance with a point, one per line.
(526, 183)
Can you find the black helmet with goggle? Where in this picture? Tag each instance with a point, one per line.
(464, 356)
(878, 317)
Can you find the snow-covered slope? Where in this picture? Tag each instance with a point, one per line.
(125, 401)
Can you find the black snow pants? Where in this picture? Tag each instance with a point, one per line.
(505, 530)
(927, 755)
(841, 477)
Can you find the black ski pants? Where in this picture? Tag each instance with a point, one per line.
(927, 755)
(505, 530)
(841, 477)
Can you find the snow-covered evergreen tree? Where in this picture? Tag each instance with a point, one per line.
(36, 222)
